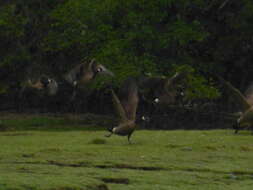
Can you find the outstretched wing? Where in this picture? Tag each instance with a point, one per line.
(249, 94)
(236, 94)
(71, 76)
(130, 105)
(129, 98)
(118, 107)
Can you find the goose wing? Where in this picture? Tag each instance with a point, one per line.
(236, 94)
(249, 94)
(128, 94)
(130, 106)
(71, 76)
(118, 107)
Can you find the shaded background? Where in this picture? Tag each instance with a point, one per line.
(130, 38)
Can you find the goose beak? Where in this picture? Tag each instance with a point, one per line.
(106, 71)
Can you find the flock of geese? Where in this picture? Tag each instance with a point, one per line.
(157, 90)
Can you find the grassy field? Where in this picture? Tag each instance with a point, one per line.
(41, 153)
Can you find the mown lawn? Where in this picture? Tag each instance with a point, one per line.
(49, 154)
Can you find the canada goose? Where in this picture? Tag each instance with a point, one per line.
(85, 72)
(246, 116)
(126, 109)
(45, 84)
(160, 90)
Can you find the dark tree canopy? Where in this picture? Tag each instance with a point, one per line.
(129, 37)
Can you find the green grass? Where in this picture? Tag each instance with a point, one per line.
(70, 156)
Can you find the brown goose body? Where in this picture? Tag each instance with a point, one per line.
(246, 116)
(160, 90)
(126, 110)
(44, 84)
(124, 129)
(85, 72)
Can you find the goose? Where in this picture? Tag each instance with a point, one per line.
(246, 116)
(126, 110)
(161, 90)
(67, 85)
(44, 84)
(85, 72)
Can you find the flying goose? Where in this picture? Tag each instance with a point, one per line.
(126, 110)
(85, 72)
(246, 116)
(160, 90)
(44, 84)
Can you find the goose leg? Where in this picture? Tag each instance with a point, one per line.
(128, 137)
(236, 127)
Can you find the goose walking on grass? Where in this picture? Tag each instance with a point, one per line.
(126, 110)
(246, 116)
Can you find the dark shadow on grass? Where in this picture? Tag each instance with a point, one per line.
(98, 141)
(125, 166)
(80, 164)
(141, 168)
(116, 180)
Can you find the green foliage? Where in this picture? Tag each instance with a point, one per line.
(184, 33)
(11, 26)
(197, 87)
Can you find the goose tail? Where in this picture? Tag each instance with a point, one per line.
(110, 129)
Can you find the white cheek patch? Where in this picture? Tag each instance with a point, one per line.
(99, 70)
(114, 129)
(143, 118)
(75, 83)
(156, 100)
